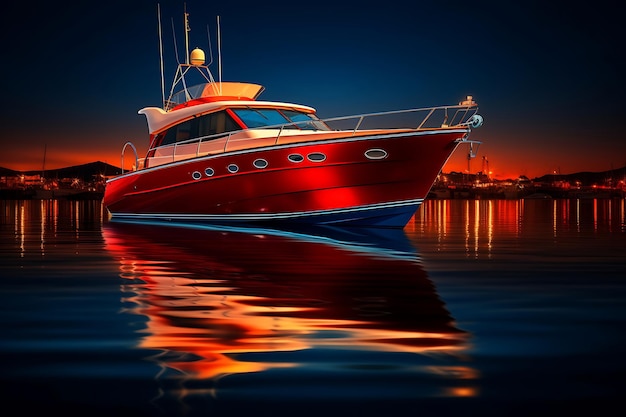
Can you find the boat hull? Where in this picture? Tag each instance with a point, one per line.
(375, 180)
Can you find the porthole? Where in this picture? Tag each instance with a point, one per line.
(232, 168)
(316, 157)
(196, 175)
(376, 154)
(260, 163)
(209, 172)
(296, 157)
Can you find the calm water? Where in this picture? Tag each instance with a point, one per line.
(477, 308)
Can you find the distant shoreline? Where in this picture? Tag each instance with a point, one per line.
(435, 194)
(57, 194)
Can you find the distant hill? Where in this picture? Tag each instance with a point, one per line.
(587, 178)
(6, 172)
(85, 172)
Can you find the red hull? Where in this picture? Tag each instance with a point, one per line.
(344, 187)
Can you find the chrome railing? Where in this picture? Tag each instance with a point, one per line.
(441, 116)
(127, 144)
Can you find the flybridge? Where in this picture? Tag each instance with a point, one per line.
(215, 90)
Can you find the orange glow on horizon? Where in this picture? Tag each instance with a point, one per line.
(28, 161)
(504, 163)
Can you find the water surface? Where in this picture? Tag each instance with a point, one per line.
(486, 307)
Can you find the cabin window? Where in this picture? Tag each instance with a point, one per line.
(316, 157)
(216, 123)
(178, 133)
(207, 125)
(296, 157)
(376, 154)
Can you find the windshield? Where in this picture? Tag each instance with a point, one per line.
(293, 119)
(305, 121)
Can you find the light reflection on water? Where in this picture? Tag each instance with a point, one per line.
(224, 301)
(190, 318)
(487, 226)
(513, 215)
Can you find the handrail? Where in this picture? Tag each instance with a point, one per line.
(431, 110)
(136, 155)
(463, 117)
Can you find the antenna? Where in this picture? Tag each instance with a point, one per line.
(208, 34)
(187, 30)
(219, 53)
(161, 55)
(175, 43)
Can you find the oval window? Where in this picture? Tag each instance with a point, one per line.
(196, 175)
(376, 154)
(209, 172)
(316, 157)
(296, 157)
(232, 168)
(260, 163)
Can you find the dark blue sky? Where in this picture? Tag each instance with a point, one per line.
(548, 78)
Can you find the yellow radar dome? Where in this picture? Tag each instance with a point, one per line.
(197, 57)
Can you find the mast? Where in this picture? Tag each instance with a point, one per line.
(187, 30)
(161, 56)
(219, 53)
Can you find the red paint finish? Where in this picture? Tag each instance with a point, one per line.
(346, 178)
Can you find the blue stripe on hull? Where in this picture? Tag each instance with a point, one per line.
(388, 217)
(394, 215)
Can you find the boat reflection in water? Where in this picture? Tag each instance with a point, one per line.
(222, 301)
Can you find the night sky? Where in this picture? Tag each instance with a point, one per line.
(548, 78)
